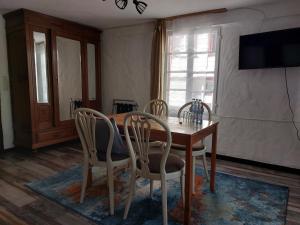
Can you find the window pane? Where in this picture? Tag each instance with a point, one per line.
(201, 42)
(198, 84)
(198, 95)
(203, 75)
(177, 43)
(173, 75)
(211, 62)
(176, 98)
(205, 42)
(209, 84)
(178, 62)
(208, 99)
(178, 83)
(204, 62)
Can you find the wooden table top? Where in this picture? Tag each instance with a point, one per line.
(175, 124)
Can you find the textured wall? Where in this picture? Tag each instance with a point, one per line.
(126, 57)
(253, 104)
(4, 89)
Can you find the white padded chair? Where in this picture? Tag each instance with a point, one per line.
(160, 166)
(199, 149)
(89, 121)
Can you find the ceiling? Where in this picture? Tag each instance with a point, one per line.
(104, 14)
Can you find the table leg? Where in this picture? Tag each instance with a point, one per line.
(90, 178)
(213, 159)
(188, 183)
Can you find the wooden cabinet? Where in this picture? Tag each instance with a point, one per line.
(54, 68)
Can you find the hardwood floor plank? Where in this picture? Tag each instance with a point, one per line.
(9, 218)
(14, 195)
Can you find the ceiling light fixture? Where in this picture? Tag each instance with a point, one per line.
(139, 5)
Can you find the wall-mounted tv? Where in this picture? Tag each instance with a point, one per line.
(270, 50)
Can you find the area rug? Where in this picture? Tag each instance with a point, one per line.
(237, 201)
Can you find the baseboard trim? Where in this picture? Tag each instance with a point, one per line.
(259, 164)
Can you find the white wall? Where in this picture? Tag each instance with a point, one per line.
(4, 90)
(253, 104)
(126, 58)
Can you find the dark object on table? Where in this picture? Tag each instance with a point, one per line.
(123, 106)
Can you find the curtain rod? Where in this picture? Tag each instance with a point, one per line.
(221, 10)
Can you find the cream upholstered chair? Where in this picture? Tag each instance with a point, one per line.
(157, 107)
(98, 149)
(199, 149)
(154, 166)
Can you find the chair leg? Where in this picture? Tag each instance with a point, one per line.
(205, 166)
(110, 176)
(151, 188)
(182, 183)
(164, 201)
(85, 175)
(194, 175)
(130, 194)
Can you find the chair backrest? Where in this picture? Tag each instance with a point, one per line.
(157, 107)
(85, 120)
(187, 105)
(138, 126)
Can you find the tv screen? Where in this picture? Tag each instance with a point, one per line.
(270, 50)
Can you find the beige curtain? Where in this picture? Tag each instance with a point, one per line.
(158, 60)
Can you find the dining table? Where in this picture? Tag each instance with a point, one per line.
(185, 133)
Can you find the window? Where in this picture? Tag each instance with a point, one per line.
(191, 67)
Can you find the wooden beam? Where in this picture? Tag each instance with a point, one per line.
(221, 10)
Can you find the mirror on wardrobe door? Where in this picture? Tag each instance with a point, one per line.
(91, 62)
(69, 76)
(40, 57)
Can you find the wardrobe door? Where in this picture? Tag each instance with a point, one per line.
(68, 77)
(93, 75)
(41, 71)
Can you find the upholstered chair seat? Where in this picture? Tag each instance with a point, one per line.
(196, 147)
(173, 164)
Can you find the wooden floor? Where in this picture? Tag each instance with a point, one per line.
(21, 206)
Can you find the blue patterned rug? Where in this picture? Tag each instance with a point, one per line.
(237, 201)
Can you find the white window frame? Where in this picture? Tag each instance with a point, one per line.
(190, 71)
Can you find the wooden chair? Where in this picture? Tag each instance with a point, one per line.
(199, 148)
(157, 107)
(154, 166)
(87, 122)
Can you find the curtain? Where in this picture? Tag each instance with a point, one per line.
(158, 60)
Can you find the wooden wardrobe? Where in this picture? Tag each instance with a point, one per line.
(54, 68)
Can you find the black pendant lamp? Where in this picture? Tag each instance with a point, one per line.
(139, 5)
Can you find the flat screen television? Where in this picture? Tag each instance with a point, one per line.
(270, 50)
